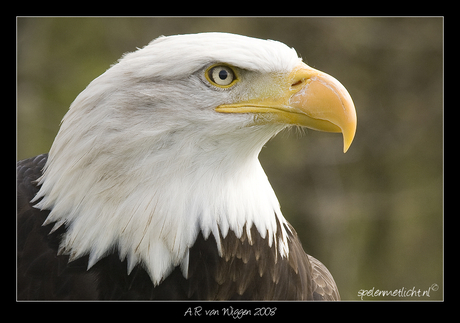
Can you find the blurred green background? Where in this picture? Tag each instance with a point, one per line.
(373, 216)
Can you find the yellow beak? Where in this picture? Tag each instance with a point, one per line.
(308, 98)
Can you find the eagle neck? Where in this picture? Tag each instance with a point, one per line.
(150, 207)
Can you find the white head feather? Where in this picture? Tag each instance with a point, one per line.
(142, 161)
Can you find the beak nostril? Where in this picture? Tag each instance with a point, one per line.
(297, 83)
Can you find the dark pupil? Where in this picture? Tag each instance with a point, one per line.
(223, 74)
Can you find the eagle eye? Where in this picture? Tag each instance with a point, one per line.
(221, 75)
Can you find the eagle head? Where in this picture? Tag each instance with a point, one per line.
(165, 145)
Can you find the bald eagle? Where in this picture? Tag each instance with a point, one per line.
(153, 189)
